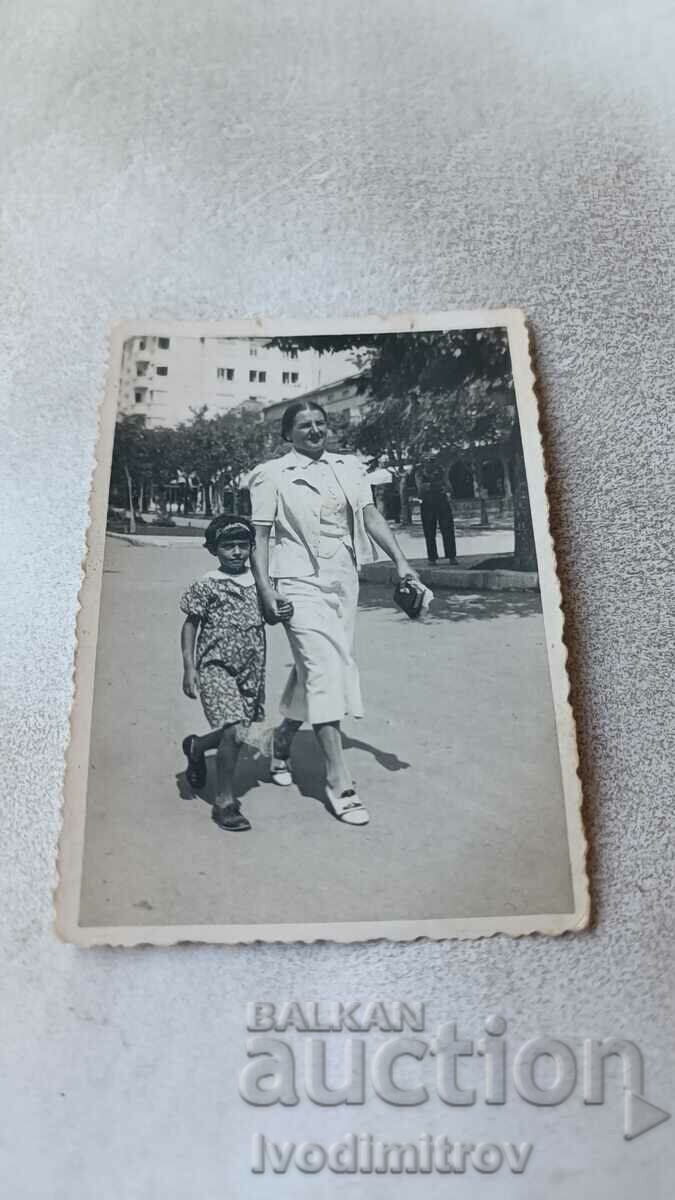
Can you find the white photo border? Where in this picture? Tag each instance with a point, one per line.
(71, 844)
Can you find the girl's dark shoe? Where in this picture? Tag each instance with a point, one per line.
(195, 772)
(230, 816)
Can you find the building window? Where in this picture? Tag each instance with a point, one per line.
(252, 376)
(294, 377)
(139, 397)
(262, 376)
(164, 343)
(253, 351)
(141, 368)
(292, 353)
(220, 372)
(230, 373)
(285, 377)
(162, 370)
(141, 344)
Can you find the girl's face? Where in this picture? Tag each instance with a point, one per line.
(309, 432)
(233, 556)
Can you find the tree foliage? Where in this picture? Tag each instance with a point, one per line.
(428, 392)
(437, 393)
(207, 453)
(447, 395)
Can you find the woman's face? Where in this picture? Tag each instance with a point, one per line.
(309, 432)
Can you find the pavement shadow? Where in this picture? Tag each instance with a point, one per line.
(252, 770)
(457, 606)
(308, 770)
(386, 758)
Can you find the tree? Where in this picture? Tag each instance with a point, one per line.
(525, 554)
(201, 452)
(130, 459)
(436, 392)
(211, 453)
(385, 434)
(217, 451)
(243, 438)
(162, 463)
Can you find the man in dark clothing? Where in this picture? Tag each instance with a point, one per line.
(434, 488)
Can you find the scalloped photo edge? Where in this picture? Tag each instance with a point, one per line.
(69, 923)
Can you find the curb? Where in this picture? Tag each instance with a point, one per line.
(383, 573)
(134, 539)
(456, 578)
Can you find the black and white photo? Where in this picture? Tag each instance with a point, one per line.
(320, 685)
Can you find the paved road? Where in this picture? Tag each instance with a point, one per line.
(472, 541)
(456, 759)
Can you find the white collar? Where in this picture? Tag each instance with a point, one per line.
(244, 580)
(303, 461)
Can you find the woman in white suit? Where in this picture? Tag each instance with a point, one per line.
(315, 522)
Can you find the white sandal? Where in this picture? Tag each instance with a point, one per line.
(347, 807)
(280, 771)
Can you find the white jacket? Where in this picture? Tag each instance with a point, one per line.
(284, 496)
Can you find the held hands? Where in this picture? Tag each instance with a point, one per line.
(275, 608)
(285, 610)
(191, 682)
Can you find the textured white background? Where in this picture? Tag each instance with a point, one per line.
(306, 157)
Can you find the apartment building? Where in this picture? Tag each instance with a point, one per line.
(164, 378)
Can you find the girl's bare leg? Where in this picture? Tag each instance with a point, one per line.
(226, 763)
(226, 811)
(209, 741)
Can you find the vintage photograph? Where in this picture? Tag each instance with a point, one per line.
(321, 688)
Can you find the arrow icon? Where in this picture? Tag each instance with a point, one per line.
(639, 1115)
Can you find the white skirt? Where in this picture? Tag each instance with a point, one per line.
(324, 682)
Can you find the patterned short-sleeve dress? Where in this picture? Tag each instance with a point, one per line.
(230, 658)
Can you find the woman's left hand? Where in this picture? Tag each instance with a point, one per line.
(405, 571)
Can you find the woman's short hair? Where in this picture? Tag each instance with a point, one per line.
(292, 411)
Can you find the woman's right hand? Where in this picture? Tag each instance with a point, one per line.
(275, 608)
(285, 610)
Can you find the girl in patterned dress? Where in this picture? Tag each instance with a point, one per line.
(223, 620)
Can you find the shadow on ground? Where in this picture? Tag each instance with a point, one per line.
(308, 772)
(386, 758)
(252, 770)
(457, 606)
